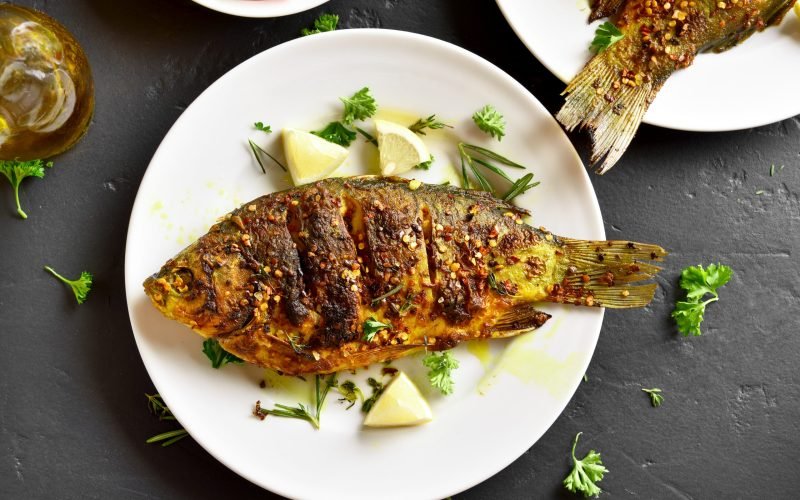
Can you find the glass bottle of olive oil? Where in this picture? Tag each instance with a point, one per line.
(46, 87)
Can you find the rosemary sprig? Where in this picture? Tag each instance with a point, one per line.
(430, 122)
(301, 411)
(159, 409)
(296, 347)
(369, 137)
(168, 438)
(388, 294)
(256, 149)
(473, 156)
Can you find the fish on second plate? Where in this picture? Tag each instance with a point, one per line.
(613, 91)
(344, 273)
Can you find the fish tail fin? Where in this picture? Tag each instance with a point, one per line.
(603, 273)
(610, 101)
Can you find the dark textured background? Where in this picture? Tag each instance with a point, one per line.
(73, 416)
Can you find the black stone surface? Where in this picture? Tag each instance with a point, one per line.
(72, 414)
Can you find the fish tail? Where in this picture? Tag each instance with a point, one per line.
(604, 273)
(610, 102)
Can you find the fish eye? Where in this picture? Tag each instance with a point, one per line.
(181, 279)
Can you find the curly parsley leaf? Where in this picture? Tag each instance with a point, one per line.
(655, 396)
(585, 473)
(359, 106)
(218, 355)
(698, 283)
(325, 22)
(489, 120)
(441, 366)
(431, 122)
(336, 133)
(350, 393)
(80, 287)
(373, 326)
(16, 171)
(606, 35)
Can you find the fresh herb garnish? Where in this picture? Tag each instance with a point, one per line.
(325, 22)
(359, 106)
(296, 346)
(80, 287)
(264, 128)
(350, 393)
(373, 326)
(15, 171)
(425, 165)
(655, 396)
(217, 354)
(369, 137)
(475, 156)
(489, 120)
(336, 133)
(377, 390)
(431, 122)
(159, 409)
(585, 473)
(698, 283)
(300, 411)
(408, 304)
(257, 150)
(606, 35)
(498, 286)
(388, 294)
(440, 370)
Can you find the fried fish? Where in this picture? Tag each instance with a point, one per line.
(289, 280)
(613, 91)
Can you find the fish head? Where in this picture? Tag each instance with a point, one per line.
(203, 289)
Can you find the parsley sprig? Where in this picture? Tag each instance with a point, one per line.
(372, 326)
(475, 157)
(16, 171)
(489, 120)
(302, 412)
(217, 355)
(441, 366)
(359, 106)
(337, 133)
(325, 22)
(80, 287)
(655, 396)
(585, 473)
(698, 283)
(606, 35)
(264, 128)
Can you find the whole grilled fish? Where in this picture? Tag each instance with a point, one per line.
(615, 88)
(288, 280)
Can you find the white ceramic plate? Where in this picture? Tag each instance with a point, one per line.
(748, 86)
(508, 393)
(260, 8)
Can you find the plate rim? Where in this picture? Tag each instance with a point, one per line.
(400, 35)
(257, 11)
(503, 5)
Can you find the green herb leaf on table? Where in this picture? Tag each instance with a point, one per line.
(698, 283)
(336, 133)
(606, 35)
(80, 287)
(655, 396)
(431, 122)
(441, 366)
(373, 326)
(159, 409)
(359, 106)
(16, 171)
(217, 355)
(585, 473)
(264, 128)
(489, 120)
(325, 22)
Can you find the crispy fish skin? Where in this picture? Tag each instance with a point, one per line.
(613, 91)
(287, 280)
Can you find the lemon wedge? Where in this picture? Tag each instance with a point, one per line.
(310, 157)
(400, 148)
(400, 404)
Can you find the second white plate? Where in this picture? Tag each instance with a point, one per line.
(748, 86)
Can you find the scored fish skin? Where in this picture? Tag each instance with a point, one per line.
(288, 280)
